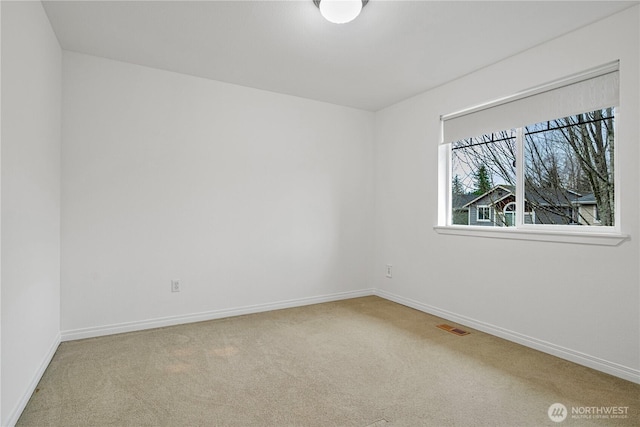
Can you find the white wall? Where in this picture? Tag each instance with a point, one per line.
(248, 197)
(577, 301)
(31, 97)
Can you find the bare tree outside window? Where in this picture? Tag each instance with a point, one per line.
(482, 164)
(568, 170)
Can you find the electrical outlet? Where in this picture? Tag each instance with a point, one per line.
(389, 275)
(175, 286)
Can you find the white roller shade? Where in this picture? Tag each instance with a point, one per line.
(592, 90)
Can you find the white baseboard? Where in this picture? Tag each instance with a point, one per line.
(76, 334)
(593, 362)
(17, 411)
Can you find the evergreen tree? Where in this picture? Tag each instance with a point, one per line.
(456, 186)
(482, 180)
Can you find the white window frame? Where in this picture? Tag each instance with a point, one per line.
(488, 208)
(585, 234)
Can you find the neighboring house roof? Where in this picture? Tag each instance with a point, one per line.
(459, 201)
(550, 197)
(509, 189)
(537, 196)
(587, 199)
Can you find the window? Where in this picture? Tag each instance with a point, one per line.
(510, 214)
(484, 213)
(569, 161)
(542, 160)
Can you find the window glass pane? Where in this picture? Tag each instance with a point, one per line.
(569, 175)
(483, 179)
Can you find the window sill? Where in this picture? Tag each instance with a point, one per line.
(557, 236)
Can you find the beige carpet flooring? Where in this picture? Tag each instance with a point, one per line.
(360, 362)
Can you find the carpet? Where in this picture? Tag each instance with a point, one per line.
(358, 362)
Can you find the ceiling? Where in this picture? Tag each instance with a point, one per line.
(392, 51)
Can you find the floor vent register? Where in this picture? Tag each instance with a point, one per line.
(453, 330)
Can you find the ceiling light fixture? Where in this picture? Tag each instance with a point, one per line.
(340, 11)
